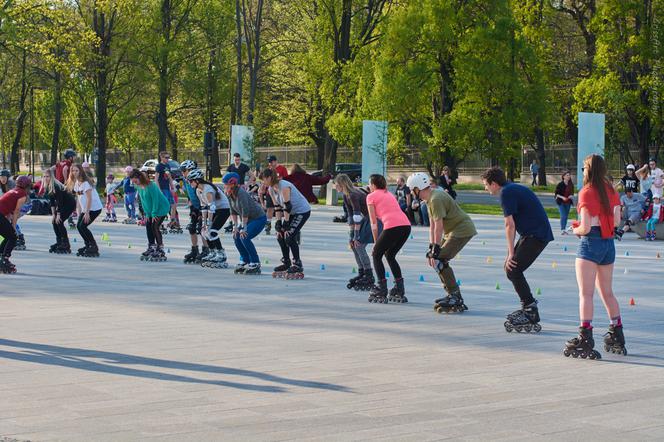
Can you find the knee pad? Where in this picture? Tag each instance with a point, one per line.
(191, 228)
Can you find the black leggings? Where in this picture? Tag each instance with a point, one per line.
(153, 229)
(60, 230)
(82, 227)
(218, 221)
(389, 243)
(526, 251)
(9, 234)
(297, 221)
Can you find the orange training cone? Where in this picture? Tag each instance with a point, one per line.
(631, 301)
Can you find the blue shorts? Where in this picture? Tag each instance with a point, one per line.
(169, 196)
(594, 248)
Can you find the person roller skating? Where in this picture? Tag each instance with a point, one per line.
(88, 206)
(599, 214)
(156, 208)
(63, 204)
(111, 216)
(523, 213)
(292, 211)
(215, 211)
(195, 225)
(129, 196)
(248, 220)
(450, 229)
(355, 203)
(383, 206)
(10, 207)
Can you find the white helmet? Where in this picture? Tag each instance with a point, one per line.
(418, 180)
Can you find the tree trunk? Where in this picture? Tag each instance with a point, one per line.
(102, 128)
(643, 138)
(162, 112)
(541, 156)
(215, 164)
(20, 120)
(238, 49)
(57, 118)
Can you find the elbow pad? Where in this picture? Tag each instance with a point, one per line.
(357, 219)
(288, 206)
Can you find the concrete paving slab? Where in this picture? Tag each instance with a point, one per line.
(116, 349)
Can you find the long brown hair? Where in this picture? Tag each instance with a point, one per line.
(596, 178)
(82, 176)
(142, 177)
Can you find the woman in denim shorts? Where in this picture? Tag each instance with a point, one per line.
(599, 211)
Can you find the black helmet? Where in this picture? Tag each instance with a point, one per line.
(69, 153)
(5, 172)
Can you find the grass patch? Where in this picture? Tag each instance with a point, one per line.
(489, 209)
(474, 186)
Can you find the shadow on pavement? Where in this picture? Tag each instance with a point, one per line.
(108, 362)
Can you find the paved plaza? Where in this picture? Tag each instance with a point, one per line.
(114, 349)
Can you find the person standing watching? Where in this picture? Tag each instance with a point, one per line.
(534, 171)
(62, 167)
(525, 215)
(238, 167)
(563, 196)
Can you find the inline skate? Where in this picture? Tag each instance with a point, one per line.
(174, 227)
(216, 260)
(129, 221)
(145, 256)
(268, 227)
(398, 292)
(20, 243)
(240, 268)
(281, 270)
(614, 340)
(452, 303)
(295, 271)
(364, 281)
(62, 248)
(205, 251)
(54, 247)
(582, 345)
(157, 255)
(252, 269)
(229, 227)
(89, 251)
(191, 257)
(114, 218)
(524, 320)
(107, 218)
(378, 293)
(6, 266)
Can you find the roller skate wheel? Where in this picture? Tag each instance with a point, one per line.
(349, 286)
(527, 328)
(575, 354)
(608, 348)
(537, 328)
(518, 328)
(357, 288)
(566, 353)
(595, 355)
(624, 351)
(508, 327)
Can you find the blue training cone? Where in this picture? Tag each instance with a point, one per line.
(322, 266)
(458, 282)
(421, 278)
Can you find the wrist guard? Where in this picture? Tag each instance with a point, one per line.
(434, 251)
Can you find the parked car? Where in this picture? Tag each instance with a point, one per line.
(353, 170)
(150, 165)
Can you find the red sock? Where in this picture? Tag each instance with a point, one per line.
(617, 321)
(587, 324)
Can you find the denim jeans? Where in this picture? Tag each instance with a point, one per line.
(245, 246)
(564, 214)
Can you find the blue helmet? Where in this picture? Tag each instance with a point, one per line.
(231, 178)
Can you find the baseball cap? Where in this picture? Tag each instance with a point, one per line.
(630, 167)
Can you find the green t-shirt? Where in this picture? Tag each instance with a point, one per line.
(455, 221)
